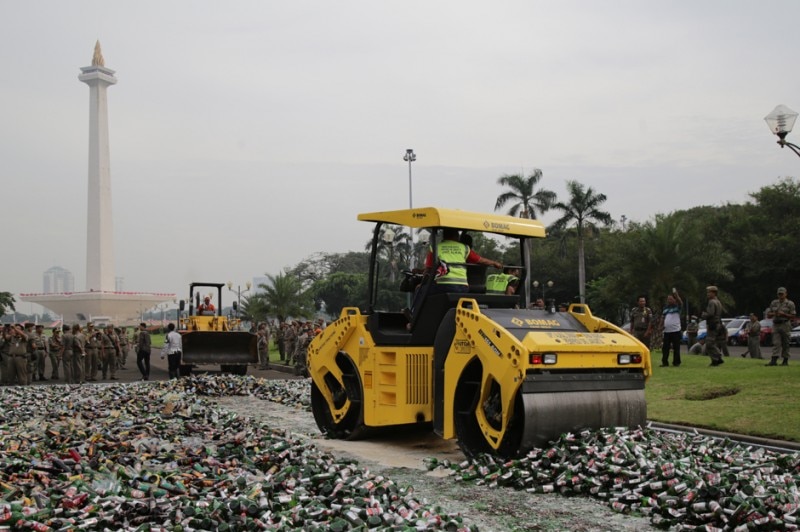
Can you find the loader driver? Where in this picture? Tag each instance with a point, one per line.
(450, 272)
(206, 307)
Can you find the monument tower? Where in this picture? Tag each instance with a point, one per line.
(99, 224)
(101, 297)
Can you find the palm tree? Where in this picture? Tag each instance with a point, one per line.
(527, 203)
(283, 297)
(394, 246)
(582, 212)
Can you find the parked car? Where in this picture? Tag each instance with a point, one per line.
(735, 326)
(794, 339)
(766, 333)
(701, 331)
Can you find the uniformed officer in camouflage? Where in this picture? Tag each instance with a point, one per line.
(55, 348)
(290, 340)
(29, 333)
(17, 369)
(78, 354)
(40, 351)
(5, 345)
(124, 345)
(68, 340)
(109, 343)
(782, 312)
(714, 327)
(280, 340)
(642, 321)
(92, 360)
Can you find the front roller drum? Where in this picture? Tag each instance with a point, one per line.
(540, 418)
(347, 394)
(548, 415)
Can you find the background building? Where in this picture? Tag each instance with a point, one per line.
(58, 280)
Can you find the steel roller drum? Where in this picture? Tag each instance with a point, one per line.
(548, 415)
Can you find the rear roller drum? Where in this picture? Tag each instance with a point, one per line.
(351, 424)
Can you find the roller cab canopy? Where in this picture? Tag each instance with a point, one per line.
(471, 221)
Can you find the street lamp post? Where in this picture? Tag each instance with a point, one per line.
(410, 157)
(548, 284)
(239, 293)
(781, 121)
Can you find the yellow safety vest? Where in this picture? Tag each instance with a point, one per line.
(454, 254)
(497, 283)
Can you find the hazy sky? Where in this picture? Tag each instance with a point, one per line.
(247, 135)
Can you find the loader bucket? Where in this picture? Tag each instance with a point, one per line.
(218, 347)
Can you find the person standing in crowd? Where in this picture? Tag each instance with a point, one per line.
(40, 351)
(642, 321)
(109, 353)
(94, 345)
(173, 349)
(290, 340)
(782, 311)
(263, 346)
(55, 347)
(17, 368)
(714, 327)
(671, 320)
(68, 342)
(691, 331)
(753, 331)
(78, 354)
(280, 339)
(4, 356)
(31, 373)
(124, 344)
(143, 351)
(504, 283)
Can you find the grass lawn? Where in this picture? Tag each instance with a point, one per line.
(740, 396)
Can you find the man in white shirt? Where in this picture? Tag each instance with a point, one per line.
(671, 316)
(173, 348)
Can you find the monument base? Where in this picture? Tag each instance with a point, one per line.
(122, 307)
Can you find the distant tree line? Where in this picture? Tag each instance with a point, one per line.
(748, 250)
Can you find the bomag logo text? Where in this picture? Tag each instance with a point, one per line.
(519, 322)
(497, 226)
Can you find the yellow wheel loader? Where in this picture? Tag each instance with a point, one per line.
(474, 366)
(211, 338)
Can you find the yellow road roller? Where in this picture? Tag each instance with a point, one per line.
(476, 366)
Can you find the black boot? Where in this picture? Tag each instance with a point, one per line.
(785, 362)
(773, 362)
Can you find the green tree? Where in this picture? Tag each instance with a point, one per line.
(6, 303)
(526, 201)
(650, 259)
(341, 289)
(582, 214)
(283, 296)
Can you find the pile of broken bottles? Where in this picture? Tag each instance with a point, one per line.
(682, 481)
(161, 456)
